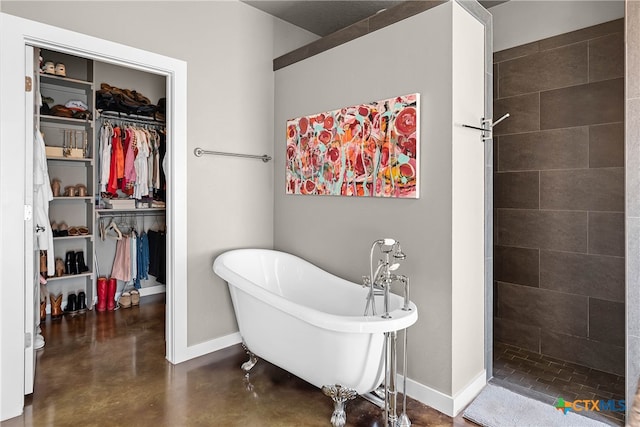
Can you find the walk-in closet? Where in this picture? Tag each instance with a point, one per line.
(102, 179)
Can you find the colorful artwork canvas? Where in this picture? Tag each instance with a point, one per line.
(368, 150)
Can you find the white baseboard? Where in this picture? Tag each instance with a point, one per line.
(152, 290)
(216, 344)
(449, 405)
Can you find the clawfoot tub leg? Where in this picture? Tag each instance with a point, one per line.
(340, 396)
(246, 366)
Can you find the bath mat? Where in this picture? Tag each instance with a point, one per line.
(498, 407)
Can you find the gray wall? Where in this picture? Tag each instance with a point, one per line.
(335, 233)
(559, 197)
(229, 47)
(524, 21)
(632, 154)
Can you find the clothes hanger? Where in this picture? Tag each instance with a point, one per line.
(103, 232)
(113, 226)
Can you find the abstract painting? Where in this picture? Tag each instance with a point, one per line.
(368, 150)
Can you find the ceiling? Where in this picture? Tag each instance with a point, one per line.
(325, 17)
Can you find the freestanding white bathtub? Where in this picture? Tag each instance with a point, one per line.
(308, 321)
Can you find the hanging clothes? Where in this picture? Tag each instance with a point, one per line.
(162, 150)
(116, 155)
(106, 133)
(143, 259)
(129, 159)
(42, 196)
(134, 256)
(141, 188)
(133, 161)
(121, 269)
(157, 255)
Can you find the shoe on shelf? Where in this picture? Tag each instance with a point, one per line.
(70, 263)
(135, 297)
(70, 191)
(81, 190)
(60, 69)
(55, 187)
(49, 68)
(81, 267)
(125, 300)
(63, 229)
(43, 310)
(83, 230)
(59, 267)
(54, 229)
(56, 307)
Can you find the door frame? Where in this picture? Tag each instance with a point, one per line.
(15, 34)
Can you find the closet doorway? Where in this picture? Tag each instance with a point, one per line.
(17, 35)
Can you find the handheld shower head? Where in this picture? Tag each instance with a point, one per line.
(399, 254)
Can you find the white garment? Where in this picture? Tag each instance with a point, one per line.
(106, 132)
(141, 188)
(41, 198)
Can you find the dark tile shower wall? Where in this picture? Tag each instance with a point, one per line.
(559, 197)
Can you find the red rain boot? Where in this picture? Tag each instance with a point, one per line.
(112, 284)
(102, 294)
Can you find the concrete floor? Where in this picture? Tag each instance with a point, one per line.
(108, 369)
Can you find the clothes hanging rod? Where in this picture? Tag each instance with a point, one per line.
(134, 118)
(199, 152)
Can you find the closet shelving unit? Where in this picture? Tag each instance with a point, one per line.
(80, 83)
(74, 211)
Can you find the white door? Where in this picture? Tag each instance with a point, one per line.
(32, 265)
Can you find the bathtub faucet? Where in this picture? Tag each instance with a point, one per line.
(379, 282)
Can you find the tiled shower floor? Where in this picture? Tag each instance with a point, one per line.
(547, 378)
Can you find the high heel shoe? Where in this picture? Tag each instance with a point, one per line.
(59, 267)
(43, 310)
(81, 190)
(55, 187)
